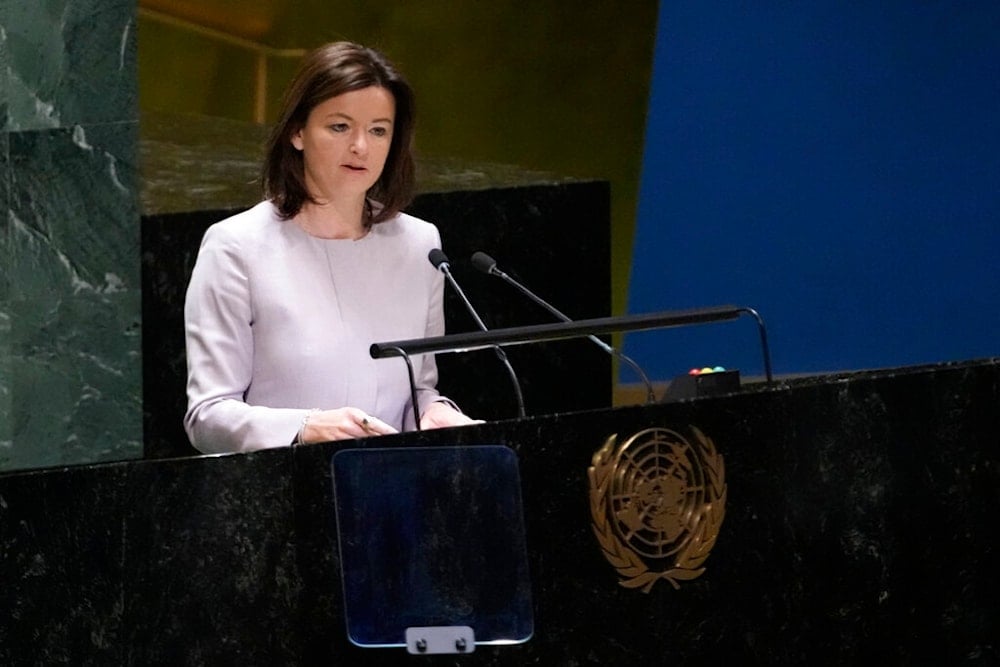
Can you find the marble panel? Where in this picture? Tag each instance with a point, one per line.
(6, 441)
(69, 63)
(62, 540)
(4, 65)
(225, 155)
(225, 553)
(859, 524)
(892, 487)
(74, 306)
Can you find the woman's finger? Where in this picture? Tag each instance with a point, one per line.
(371, 425)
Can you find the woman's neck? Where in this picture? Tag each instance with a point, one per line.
(331, 220)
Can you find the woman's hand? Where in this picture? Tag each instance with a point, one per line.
(441, 415)
(342, 424)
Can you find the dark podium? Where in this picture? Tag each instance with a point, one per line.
(859, 523)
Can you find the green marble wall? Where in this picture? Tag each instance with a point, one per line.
(70, 371)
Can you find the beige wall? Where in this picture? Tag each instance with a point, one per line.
(555, 85)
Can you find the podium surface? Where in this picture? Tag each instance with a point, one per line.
(859, 523)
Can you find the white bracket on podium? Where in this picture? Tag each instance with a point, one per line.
(440, 639)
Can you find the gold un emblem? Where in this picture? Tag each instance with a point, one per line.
(657, 503)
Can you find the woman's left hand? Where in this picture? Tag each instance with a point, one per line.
(441, 415)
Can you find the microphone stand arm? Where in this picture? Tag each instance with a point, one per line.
(501, 355)
(650, 395)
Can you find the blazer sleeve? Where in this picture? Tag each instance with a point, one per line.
(218, 317)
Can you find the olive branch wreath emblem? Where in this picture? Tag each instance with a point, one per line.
(701, 528)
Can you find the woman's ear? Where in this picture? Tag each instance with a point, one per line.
(297, 139)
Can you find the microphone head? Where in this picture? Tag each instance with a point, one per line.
(484, 262)
(437, 258)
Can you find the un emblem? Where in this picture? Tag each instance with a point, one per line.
(657, 502)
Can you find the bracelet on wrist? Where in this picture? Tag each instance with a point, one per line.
(300, 437)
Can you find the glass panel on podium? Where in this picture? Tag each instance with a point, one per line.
(432, 537)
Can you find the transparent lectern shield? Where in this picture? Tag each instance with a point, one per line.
(432, 536)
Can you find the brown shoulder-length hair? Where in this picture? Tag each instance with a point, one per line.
(331, 70)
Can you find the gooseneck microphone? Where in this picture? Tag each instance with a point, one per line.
(488, 265)
(440, 262)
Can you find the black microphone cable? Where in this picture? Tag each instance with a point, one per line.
(440, 262)
(488, 265)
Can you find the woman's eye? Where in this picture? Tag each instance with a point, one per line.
(380, 131)
(339, 127)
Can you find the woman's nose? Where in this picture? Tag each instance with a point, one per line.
(359, 143)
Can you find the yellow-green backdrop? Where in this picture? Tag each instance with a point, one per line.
(553, 85)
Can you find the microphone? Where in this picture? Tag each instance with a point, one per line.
(440, 262)
(488, 265)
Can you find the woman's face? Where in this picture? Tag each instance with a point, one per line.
(345, 142)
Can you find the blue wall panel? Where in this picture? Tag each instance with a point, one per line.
(835, 166)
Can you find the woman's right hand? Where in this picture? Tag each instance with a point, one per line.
(342, 424)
